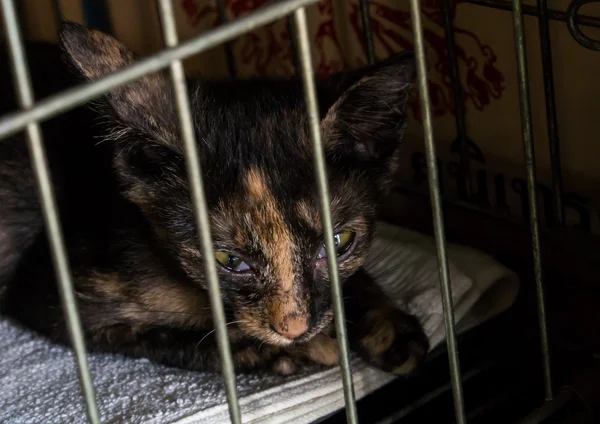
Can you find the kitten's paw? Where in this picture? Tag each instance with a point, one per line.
(320, 350)
(284, 366)
(390, 340)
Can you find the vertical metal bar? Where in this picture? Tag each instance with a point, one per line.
(50, 211)
(436, 205)
(310, 98)
(58, 12)
(293, 41)
(366, 25)
(198, 198)
(555, 162)
(459, 107)
(24, 22)
(531, 187)
(97, 15)
(228, 49)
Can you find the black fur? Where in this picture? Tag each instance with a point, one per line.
(130, 229)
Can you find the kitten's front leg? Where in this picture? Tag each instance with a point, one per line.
(197, 350)
(380, 333)
(320, 350)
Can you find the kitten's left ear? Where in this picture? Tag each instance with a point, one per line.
(146, 104)
(368, 117)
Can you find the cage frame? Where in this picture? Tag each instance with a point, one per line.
(32, 113)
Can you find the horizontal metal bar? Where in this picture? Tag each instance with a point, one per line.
(436, 205)
(548, 409)
(72, 97)
(433, 394)
(487, 406)
(312, 109)
(194, 172)
(49, 208)
(529, 154)
(555, 15)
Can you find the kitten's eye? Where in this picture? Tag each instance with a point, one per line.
(231, 262)
(343, 241)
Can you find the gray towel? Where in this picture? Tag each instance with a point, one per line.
(38, 380)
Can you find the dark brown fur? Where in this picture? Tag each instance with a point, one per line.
(130, 227)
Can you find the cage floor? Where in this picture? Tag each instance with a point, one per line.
(488, 371)
(502, 377)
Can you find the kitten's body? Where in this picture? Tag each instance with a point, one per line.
(129, 226)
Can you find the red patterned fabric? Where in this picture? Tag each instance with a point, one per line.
(267, 50)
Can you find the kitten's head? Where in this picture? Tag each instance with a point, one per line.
(257, 160)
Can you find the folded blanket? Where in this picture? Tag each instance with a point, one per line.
(406, 262)
(38, 382)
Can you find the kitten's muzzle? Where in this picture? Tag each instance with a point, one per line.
(290, 327)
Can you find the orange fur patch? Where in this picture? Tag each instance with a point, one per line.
(271, 230)
(322, 349)
(309, 214)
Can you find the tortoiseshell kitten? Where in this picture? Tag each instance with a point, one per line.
(129, 222)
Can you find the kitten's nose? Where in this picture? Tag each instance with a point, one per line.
(291, 328)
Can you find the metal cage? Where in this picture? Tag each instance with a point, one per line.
(32, 114)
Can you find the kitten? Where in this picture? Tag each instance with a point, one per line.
(129, 225)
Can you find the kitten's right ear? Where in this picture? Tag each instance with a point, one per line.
(146, 104)
(366, 114)
(367, 117)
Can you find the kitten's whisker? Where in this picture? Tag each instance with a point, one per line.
(205, 336)
(214, 329)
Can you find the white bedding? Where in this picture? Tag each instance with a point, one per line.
(38, 382)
